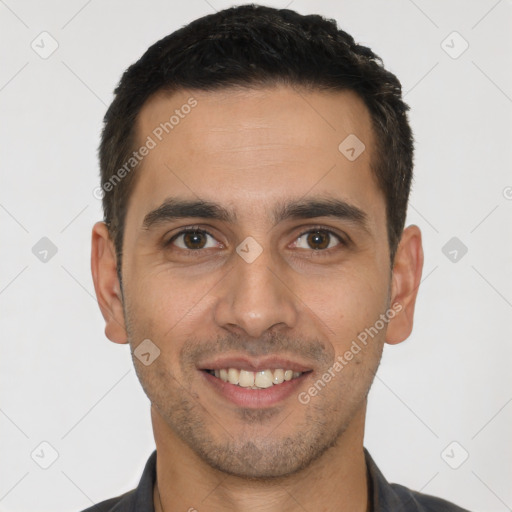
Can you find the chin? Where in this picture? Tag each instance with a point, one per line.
(266, 461)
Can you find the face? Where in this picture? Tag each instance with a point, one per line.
(255, 250)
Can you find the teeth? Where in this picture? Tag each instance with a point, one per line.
(278, 376)
(263, 379)
(233, 375)
(255, 380)
(246, 379)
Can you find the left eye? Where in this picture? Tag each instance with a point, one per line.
(317, 239)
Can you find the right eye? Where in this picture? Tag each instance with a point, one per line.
(192, 239)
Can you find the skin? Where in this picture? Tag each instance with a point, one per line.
(249, 150)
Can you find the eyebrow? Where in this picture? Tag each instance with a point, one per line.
(175, 208)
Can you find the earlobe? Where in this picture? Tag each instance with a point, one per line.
(407, 269)
(106, 283)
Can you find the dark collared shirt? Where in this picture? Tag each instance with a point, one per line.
(385, 497)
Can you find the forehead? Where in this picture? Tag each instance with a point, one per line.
(249, 148)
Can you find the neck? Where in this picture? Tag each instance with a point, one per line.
(335, 481)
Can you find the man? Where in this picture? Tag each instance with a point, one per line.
(256, 167)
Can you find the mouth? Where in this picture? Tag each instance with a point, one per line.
(255, 380)
(254, 383)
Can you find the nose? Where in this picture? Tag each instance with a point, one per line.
(256, 297)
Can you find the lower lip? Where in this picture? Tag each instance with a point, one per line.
(255, 398)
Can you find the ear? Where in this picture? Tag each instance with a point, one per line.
(407, 269)
(106, 283)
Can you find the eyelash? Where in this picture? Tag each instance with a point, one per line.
(190, 229)
(323, 252)
(317, 252)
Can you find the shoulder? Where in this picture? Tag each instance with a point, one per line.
(388, 497)
(120, 503)
(139, 499)
(413, 500)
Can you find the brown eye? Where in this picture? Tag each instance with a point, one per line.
(192, 240)
(317, 239)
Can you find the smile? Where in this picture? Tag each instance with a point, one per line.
(255, 380)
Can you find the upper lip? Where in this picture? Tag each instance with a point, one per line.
(254, 364)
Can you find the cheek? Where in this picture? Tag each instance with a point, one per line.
(347, 302)
(159, 292)
(170, 305)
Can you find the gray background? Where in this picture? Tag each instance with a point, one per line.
(65, 384)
